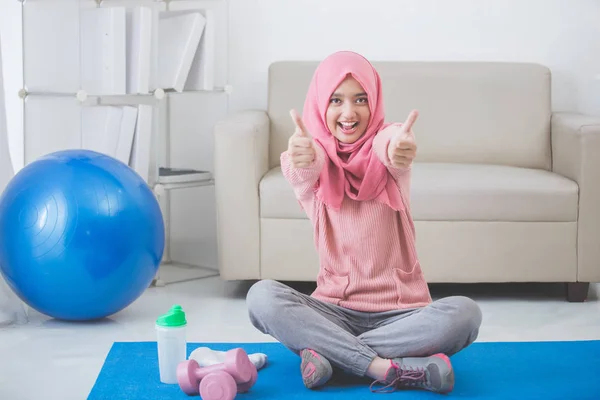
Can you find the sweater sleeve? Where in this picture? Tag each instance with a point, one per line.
(303, 180)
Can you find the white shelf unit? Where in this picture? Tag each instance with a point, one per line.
(84, 67)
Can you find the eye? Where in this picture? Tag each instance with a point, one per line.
(362, 100)
(335, 101)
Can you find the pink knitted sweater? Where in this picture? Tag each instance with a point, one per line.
(368, 260)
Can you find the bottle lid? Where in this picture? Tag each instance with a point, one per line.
(175, 317)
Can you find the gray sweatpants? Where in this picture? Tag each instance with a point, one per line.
(350, 339)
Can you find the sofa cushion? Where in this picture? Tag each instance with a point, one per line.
(449, 191)
(479, 192)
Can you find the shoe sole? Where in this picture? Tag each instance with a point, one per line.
(312, 369)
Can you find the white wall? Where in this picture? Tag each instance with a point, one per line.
(562, 34)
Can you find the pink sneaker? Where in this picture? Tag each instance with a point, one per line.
(433, 373)
(316, 369)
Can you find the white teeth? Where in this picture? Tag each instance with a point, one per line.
(347, 124)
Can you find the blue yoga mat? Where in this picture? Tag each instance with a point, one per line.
(503, 371)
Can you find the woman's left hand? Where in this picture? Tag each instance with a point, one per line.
(403, 147)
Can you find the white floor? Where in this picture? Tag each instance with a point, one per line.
(46, 359)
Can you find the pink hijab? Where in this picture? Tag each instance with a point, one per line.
(353, 169)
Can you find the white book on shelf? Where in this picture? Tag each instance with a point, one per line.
(154, 50)
(139, 49)
(202, 71)
(103, 50)
(101, 128)
(179, 39)
(142, 143)
(126, 134)
(182, 175)
(50, 45)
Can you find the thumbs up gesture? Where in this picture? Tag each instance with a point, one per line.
(403, 147)
(300, 146)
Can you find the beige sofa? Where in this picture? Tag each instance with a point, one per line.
(503, 188)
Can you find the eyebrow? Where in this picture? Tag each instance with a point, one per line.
(361, 94)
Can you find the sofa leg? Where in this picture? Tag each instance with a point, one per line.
(577, 291)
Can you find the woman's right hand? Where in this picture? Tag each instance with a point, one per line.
(301, 147)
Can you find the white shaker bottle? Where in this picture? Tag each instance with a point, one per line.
(171, 343)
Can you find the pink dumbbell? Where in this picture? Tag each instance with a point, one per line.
(244, 387)
(222, 381)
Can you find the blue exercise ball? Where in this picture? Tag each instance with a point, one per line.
(81, 235)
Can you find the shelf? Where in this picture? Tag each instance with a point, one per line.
(225, 89)
(185, 185)
(120, 99)
(80, 55)
(173, 178)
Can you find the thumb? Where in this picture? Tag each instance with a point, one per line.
(408, 124)
(299, 124)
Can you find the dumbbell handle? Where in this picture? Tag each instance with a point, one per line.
(201, 372)
(237, 364)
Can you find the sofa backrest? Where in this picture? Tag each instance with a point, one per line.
(471, 112)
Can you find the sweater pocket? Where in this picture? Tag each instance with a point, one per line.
(332, 285)
(411, 286)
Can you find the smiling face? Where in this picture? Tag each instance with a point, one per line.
(348, 112)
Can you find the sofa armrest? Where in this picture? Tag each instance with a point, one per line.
(575, 150)
(241, 160)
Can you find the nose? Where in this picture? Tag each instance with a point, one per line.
(349, 110)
